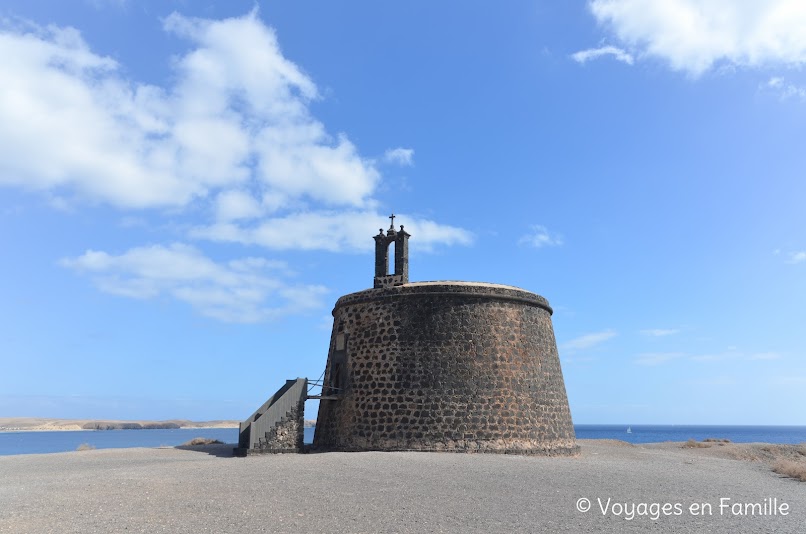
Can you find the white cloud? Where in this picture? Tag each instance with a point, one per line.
(400, 156)
(588, 340)
(233, 132)
(797, 257)
(245, 290)
(656, 358)
(659, 332)
(233, 205)
(71, 124)
(540, 237)
(584, 56)
(784, 89)
(694, 35)
(59, 123)
(333, 231)
(429, 234)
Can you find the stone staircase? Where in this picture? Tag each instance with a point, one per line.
(278, 425)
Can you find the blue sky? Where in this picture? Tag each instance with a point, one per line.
(186, 188)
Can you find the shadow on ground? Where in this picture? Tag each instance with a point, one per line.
(219, 450)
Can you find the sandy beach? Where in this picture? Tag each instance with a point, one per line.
(610, 487)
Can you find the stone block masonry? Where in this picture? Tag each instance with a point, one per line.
(444, 366)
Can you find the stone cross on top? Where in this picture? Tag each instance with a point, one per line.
(382, 241)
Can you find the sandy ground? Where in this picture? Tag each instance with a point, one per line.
(32, 424)
(207, 490)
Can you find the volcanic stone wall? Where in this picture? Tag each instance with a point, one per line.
(444, 366)
(287, 435)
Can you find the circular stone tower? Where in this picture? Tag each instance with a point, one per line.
(442, 366)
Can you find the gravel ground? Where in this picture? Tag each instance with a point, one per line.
(173, 490)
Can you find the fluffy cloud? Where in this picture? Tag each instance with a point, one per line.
(540, 237)
(66, 121)
(333, 231)
(244, 290)
(584, 56)
(400, 156)
(233, 205)
(70, 123)
(694, 35)
(233, 131)
(588, 340)
(231, 139)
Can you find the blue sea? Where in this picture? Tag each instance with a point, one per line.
(47, 442)
(658, 433)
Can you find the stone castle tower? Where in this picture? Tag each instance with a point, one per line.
(442, 366)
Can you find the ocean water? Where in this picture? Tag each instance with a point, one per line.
(48, 442)
(63, 441)
(658, 433)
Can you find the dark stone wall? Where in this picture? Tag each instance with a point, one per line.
(444, 366)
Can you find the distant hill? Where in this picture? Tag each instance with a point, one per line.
(111, 425)
(10, 424)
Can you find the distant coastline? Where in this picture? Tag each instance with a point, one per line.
(41, 424)
(37, 424)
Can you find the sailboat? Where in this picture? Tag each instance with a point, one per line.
(629, 430)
